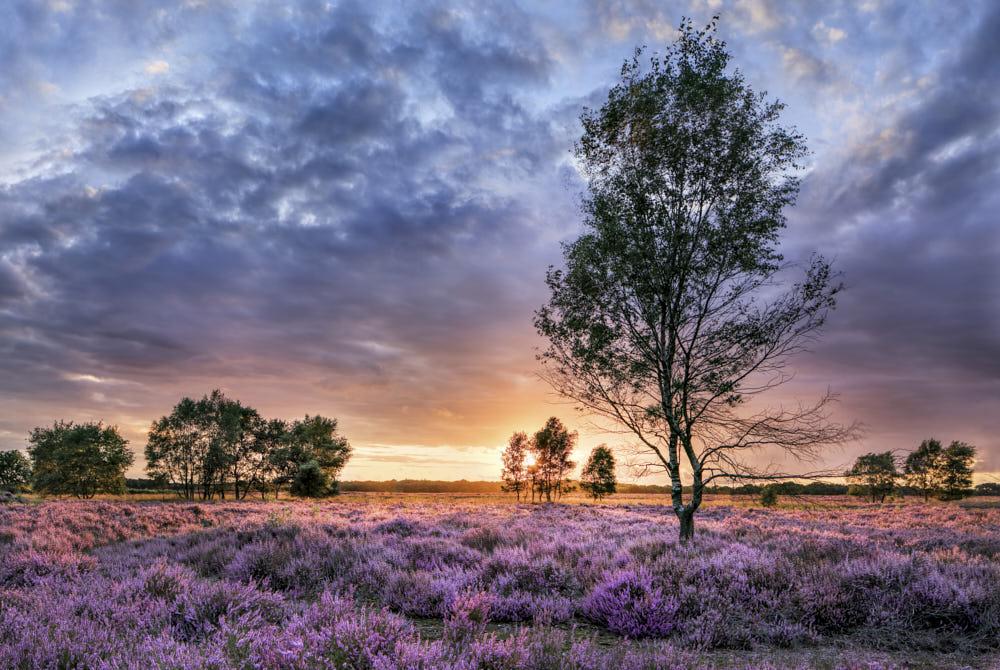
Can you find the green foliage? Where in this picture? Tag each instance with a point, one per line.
(922, 468)
(15, 471)
(78, 459)
(874, 475)
(312, 439)
(598, 478)
(956, 470)
(665, 315)
(769, 496)
(216, 444)
(310, 481)
(514, 473)
(944, 472)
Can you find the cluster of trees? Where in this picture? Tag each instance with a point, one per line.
(932, 470)
(550, 449)
(207, 447)
(203, 448)
(79, 459)
(546, 474)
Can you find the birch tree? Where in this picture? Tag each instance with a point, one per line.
(669, 315)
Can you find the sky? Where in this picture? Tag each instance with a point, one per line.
(348, 208)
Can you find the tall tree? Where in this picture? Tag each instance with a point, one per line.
(875, 473)
(552, 447)
(78, 459)
(514, 474)
(922, 468)
(598, 477)
(15, 471)
(956, 469)
(182, 449)
(666, 318)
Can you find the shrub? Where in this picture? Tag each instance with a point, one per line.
(310, 481)
(628, 603)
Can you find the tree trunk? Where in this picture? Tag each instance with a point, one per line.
(687, 525)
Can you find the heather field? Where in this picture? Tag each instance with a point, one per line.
(452, 582)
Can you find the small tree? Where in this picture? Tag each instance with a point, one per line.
(552, 447)
(874, 473)
(78, 459)
(310, 481)
(769, 496)
(15, 471)
(316, 438)
(598, 478)
(922, 468)
(514, 474)
(956, 469)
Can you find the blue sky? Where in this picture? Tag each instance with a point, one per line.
(348, 208)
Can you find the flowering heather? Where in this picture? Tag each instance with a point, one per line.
(347, 585)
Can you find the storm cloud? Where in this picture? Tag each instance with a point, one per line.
(348, 208)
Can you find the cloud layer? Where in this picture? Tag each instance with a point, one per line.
(347, 208)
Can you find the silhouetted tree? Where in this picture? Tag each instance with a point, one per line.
(552, 447)
(956, 469)
(875, 473)
(319, 436)
(769, 496)
(187, 448)
(598, 477)
(78, 459)
(922, 468)
(666, 319)
(214, 443)
(15, 471)
(313, 438)
(514, 474)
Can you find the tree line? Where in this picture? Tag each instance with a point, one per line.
(206, 448)
(931, 470)
(540, 465)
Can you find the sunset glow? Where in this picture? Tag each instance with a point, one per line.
(341, 209)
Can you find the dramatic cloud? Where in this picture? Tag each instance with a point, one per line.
(348, 208)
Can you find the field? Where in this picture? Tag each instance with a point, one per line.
(463, 582)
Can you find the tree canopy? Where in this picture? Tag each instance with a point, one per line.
(15, 471)
(78, 459)
(215, 444)
(598, 477)
(666, 318)
(514, 473)
(875, 474)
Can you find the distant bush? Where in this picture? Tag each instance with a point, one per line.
(988, 489)
(769, 496)
(310, 481)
